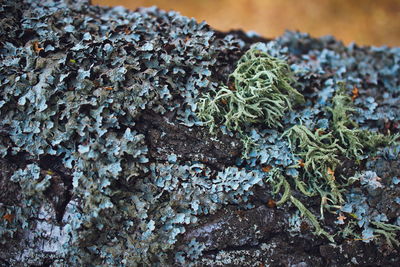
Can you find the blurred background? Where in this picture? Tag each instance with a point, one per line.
(366, 22)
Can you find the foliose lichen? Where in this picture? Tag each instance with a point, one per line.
(75, 80)
(72, 90)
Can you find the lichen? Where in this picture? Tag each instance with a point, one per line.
(258, 91)
(72, 92)
(318, 152)
(77, 79)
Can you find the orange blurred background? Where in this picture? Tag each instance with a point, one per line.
(366, 22)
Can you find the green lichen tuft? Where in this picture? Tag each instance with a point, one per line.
(388, 231)
(277, 180)
(319, 150)
(320, 153)
(259, 91)
(356, 141)
(345, 129)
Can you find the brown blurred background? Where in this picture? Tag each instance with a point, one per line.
(367, 22)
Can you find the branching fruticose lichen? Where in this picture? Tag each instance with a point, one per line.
(259, 91)
(321, 152)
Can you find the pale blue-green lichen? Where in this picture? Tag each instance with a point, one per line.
(73, 88)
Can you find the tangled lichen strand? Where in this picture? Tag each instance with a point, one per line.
(358, 142)
(258, 91)
(321, 152)
(318, 150)
(258, 70)
(345, 129)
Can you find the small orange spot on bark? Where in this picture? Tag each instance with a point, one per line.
(36, 47)
(240, 213)
(331, 173)
(266, 168)
(8, 217)
(231, 86)
(271, 203)
(301, 163)
(304, 227)
(108, 88)
(319, 131)
(341, 217)
(355, 93)
(127, 30)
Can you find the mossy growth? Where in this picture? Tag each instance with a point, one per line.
(356, 141)
(344, 129)
(258, 91)
(320, 152)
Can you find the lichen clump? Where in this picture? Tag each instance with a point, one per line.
(78, 81)
(258, 91)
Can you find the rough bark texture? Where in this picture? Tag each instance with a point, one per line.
(232, 235)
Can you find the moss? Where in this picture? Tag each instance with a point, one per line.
(319, 150)
(320, 153)
(259, 92)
